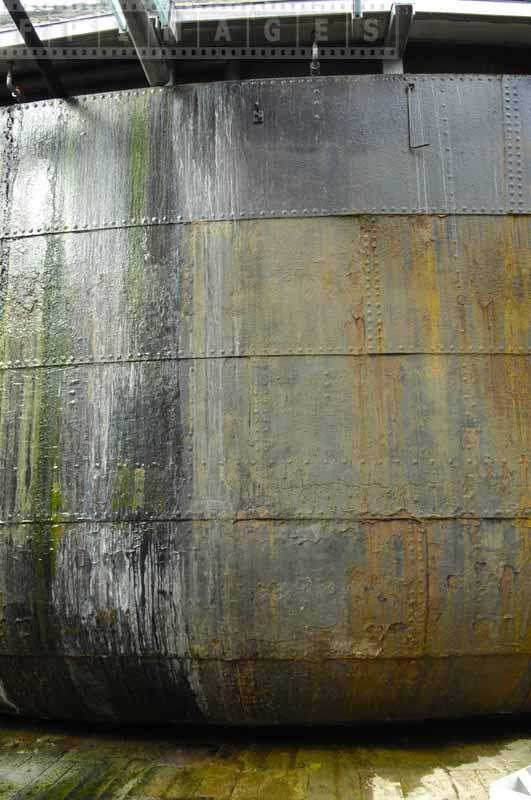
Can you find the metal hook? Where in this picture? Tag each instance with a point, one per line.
(258, 114)
(409, 91)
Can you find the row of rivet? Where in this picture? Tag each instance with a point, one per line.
(117, 95)
(449, 162)
(202, 355)
(513, 134)
(423, 463)
(317, 102)
(426, 465)
(375, 283)
(449, 171)
(231, 216)
(366, 260)
(471, 433)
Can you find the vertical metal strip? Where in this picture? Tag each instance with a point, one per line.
(365, 233)
(513, 145)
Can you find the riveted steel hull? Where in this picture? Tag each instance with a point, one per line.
(264, 403)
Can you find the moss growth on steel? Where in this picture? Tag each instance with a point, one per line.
(46, 500)
(139, 183)
(4, 276)
(135, 280)
(128, 489)
(55, 345)
(139, 150)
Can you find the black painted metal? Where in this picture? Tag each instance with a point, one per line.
(343, 142)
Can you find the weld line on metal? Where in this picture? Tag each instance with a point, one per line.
(264, 658)
(229, 357)
(239, 520)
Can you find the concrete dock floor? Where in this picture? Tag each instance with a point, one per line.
(436, 761)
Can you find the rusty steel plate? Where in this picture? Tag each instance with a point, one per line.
(245, 288)
(257, 467)
(206, 626)
(296, 437)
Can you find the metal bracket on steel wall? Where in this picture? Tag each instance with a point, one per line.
(315, 67)
(145, 37)
(258, 114)
(410, 87)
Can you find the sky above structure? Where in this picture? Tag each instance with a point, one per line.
(49, 11)
(43, 11)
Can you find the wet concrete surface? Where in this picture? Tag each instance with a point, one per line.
(427, 761)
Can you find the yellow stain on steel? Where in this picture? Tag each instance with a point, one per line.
(376, 430)
(421, 283)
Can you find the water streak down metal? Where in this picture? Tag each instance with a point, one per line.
(262, 461)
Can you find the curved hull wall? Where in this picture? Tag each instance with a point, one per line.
(264, 403)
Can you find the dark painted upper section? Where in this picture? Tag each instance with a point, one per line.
(326, 146)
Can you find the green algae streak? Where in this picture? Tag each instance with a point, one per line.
(43, 472)
(128, 489)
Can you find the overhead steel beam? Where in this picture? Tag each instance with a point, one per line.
(435, 21)
(17, 12)
(442, 10)
(448, 24)
(119, 16)
(399, 26)
(145, 40)
(396, 36)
